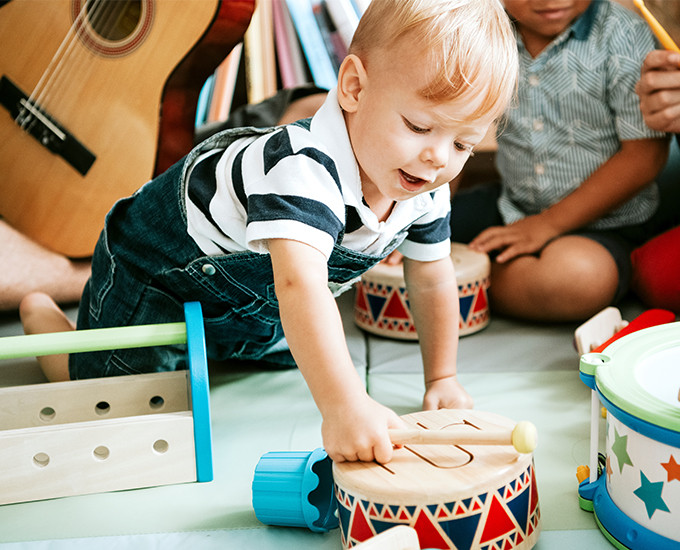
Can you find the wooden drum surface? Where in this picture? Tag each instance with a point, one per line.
(455, 496)
(381, 303)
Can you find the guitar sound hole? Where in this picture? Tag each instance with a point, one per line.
(114, 20)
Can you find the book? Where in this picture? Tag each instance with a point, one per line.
(334, 45)
(260, 57)
(224, 81)
(345, 17)
(292, 65)
(203, 104)
(312, 43)
(361, 5)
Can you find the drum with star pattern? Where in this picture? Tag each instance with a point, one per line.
(636, 498)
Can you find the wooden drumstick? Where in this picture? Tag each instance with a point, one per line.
(522, 437)
(665, 39)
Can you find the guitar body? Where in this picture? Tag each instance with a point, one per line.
(111, 90)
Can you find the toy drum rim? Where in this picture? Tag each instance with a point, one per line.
(615, 525)
(617, 371)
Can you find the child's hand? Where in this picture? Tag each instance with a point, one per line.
(394, 258)
(446, 393)
(525, 236)
(360, 432)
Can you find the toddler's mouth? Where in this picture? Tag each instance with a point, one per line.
(413, 180)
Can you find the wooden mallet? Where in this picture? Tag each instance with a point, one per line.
(522, 437)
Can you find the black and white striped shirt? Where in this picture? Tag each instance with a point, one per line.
(301, 182)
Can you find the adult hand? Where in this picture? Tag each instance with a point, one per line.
(659, 91)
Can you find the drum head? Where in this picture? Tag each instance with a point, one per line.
(640, 374)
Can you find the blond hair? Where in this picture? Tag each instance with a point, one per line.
(469, 44)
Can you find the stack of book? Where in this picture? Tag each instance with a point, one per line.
(288, 43)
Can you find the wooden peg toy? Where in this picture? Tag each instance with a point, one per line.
(125, 432)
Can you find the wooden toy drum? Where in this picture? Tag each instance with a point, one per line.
(381, 303)
(459, 497)
(637, 498)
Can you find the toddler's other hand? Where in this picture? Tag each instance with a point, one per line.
(359, 432)
(446, 393)
(394, 258)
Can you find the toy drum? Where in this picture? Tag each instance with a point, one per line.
(468, 497)
(636, 499)
(381, 303)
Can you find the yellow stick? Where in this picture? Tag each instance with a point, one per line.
(656, 27)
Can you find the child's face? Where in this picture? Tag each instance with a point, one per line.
(543, 20)
(404, 144)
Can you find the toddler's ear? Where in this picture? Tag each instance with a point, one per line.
(351, 79)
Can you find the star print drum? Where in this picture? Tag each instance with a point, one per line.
(636, 497)
(381, 303)
(460, 497)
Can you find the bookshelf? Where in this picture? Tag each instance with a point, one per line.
(289, 43)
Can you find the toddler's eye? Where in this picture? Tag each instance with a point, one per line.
(462, 147)
(414, 128)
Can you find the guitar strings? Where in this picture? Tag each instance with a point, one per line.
(47, 80)
(59, 74)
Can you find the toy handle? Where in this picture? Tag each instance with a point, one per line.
(98, 339)
(523, 437)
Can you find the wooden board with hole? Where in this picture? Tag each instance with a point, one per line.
(106, 434)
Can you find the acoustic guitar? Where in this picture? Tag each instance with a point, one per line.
(96, 96)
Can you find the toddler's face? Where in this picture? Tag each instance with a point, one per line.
(406, 145)
(546, 18)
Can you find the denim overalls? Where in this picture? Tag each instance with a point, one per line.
(145, 266)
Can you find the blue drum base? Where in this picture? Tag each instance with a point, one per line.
(620, 530)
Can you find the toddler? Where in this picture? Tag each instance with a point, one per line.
(264, 227)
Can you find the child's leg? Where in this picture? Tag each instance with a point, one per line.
(40, 314)
(572, 279)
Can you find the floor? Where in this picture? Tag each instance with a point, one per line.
(519, 370)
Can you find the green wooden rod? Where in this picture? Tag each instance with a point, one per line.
(34, 345)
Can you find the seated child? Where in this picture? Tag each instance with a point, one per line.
(656, 264)
(264, 226)
(577, 165)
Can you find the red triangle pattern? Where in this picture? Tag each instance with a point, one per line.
(481, 303)
(534, 492)
(429, 534)
(498, 522)
(499, 532)
(360, 528)
(360, 301)
(395, 308)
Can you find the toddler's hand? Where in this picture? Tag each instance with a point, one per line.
(360, 432)
(394, 258)
(446, 393)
